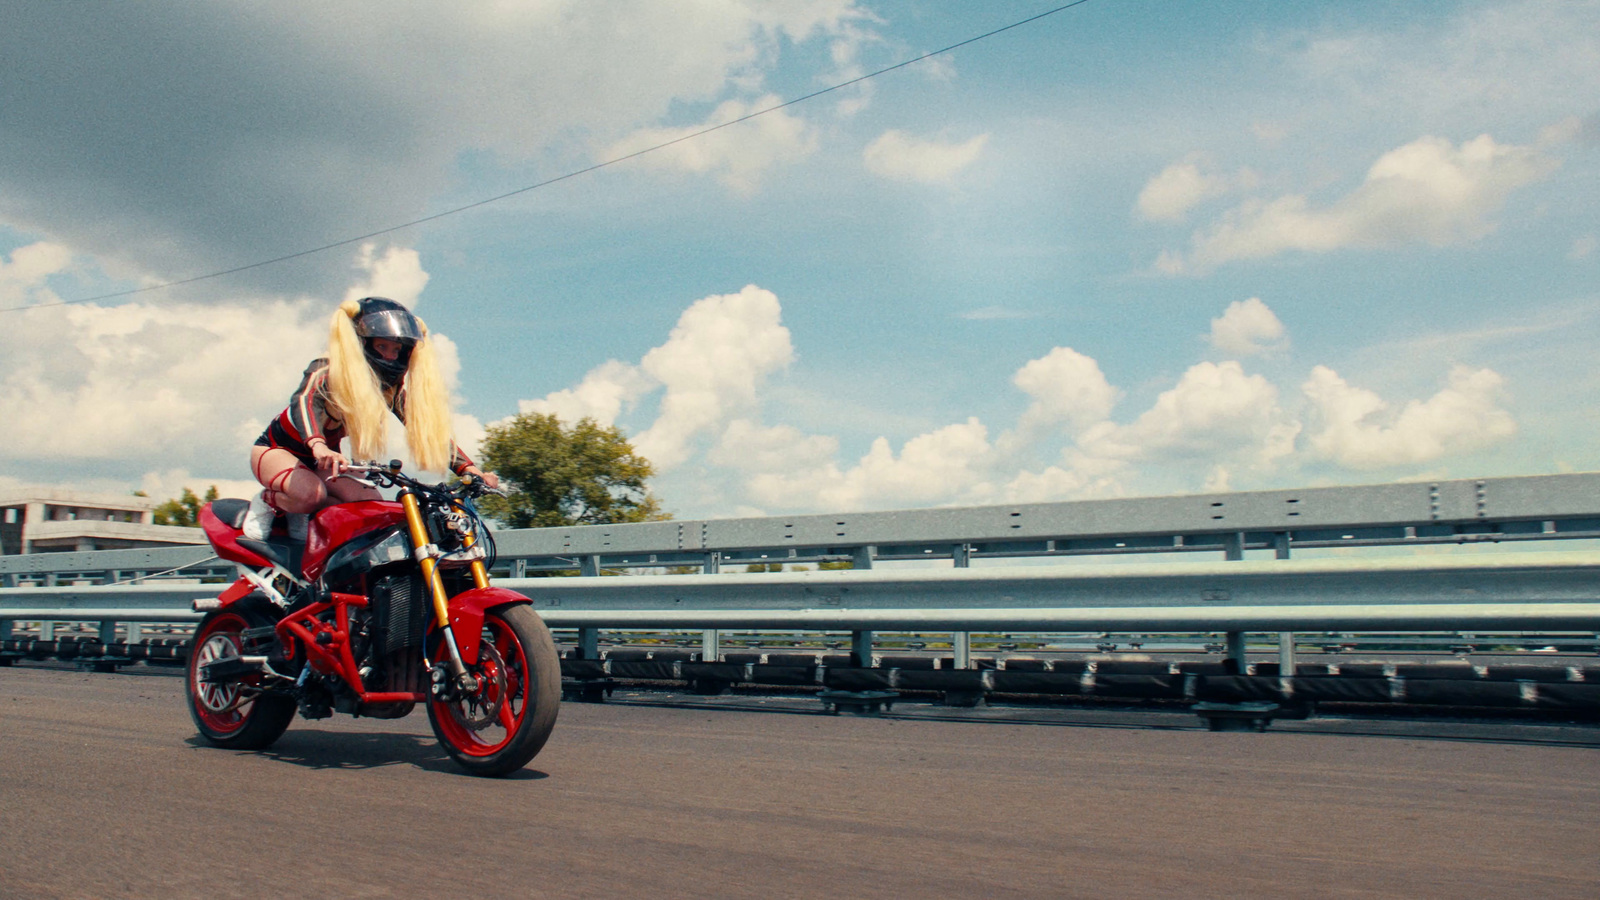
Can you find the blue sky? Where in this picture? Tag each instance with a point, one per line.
(1131, 248)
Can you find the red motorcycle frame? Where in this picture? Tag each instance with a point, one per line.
(365, 620)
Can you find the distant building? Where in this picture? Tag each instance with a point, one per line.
(40, 520)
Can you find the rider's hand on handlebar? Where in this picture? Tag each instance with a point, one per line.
(330, 462)
(490, 480)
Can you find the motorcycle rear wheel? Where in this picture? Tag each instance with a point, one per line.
(498, 730)
(228, 715)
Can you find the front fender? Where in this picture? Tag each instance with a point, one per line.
(466, 616)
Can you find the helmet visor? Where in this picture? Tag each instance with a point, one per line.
(394, 324)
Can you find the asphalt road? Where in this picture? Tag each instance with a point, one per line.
(106, 792)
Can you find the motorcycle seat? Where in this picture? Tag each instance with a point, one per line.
(230, 512)
(284, 552)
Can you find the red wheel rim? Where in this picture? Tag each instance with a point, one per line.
(485, 723)
(219, 706)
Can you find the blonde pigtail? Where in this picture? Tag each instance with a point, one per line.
(354, 387)
(427, 408)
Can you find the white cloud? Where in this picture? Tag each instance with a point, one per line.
(1246, 328)
(22, 280)
(606, 392)
(161, 383)
(1426, 192)
(1066, 386)
(170, 483)
(738, 154)
(903, 157)
(750, 447)
(544, 79)
(945, 466)
(1174, 191)
(1355, 427)
(722, 349)
(1214, 409)
(397, 275)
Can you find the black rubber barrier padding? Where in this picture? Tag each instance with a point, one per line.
(1131, 667)
(1139, 686)
(842, 660)
(1458, 692)
(1238, 688)
(1362, 670)
(1527, 673)
(1273, 669)
(784, 675)
(939, 680)
(1013, 682)
(792, 659)
(856, 679)
(906, 663)
(1572, 695)
(726, 672)
(1070, 666)
(42, 649)
(1202, 668)
(627, 655)
(1462, 670)
(645, 669)
(1336, 689)
(582, 668)
(675, 655)
(1026, 665)
(741, 657)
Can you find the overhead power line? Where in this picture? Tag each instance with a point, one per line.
(559, 178)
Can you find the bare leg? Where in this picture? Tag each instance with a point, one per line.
(290, 486)
(345, 489)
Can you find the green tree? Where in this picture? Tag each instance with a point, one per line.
(586, 474)
(185, 510)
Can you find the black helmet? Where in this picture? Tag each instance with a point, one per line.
(380, 317)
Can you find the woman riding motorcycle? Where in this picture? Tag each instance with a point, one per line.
(379, 361)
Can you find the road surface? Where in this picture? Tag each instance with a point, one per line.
(105, 791)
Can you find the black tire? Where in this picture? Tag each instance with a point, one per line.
(225, 718)
(506, 724)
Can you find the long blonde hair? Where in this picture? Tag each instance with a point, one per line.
(357, 394)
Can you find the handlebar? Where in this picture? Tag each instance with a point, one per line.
(391, 476)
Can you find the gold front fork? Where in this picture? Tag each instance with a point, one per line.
(430, 576)
(480, 575)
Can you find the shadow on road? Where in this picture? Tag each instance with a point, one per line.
(364, 750)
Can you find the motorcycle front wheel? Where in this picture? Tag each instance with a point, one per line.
(497, 730)
(231, 715)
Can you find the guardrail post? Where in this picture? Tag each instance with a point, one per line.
(1285, 654)
(1234, 547)
(711, 638)
(861, 649)
(47, 631)
(1236, 650)
(1280, 545)
(108, 632)
(135, 633)
(5, 629)
(589, 565)
(588, 643)
(519, 568)
(961, 641)
(863, 556)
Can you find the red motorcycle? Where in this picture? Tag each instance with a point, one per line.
(386, 604)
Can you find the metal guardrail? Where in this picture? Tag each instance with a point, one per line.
(1538, 591)
(1523, 591)
(1492, 510)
